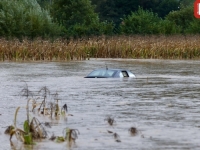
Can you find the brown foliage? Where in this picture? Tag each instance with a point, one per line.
(136, 47)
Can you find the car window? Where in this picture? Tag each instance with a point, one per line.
(125, 74)
(130, 74)
(121, 75)
(95, 73)
(108, 73)
(103, 73)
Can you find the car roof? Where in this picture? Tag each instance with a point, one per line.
(102, 72)
(110, 69)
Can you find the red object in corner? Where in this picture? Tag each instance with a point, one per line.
(197, 9)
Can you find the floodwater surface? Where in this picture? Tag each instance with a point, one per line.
(162, 102)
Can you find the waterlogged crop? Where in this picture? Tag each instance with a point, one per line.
(48, 106)
(133, 131)
(71, 135)
(33, 128)
(110, 120)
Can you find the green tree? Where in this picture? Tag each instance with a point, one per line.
(141, 22)
(187, 2)
(163, 7)
(167, 27)
(147, 22)
(114, 10)
(183, 18)
(45, 3)
(25, 18)
(78, 18)
(194, 27)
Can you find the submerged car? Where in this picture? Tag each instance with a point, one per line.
(110, 73)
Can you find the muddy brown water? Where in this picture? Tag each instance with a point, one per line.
(162, 102)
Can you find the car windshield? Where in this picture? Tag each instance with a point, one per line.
(103, 73)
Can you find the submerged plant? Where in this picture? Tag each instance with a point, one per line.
(53, 137)
(46, 108)
(110, 120)
(28, 139)
(32, 130)
(26, 92)
(37, 129)
(133, 130)
(109, 131)
(34, 105)
(60, 139)
(51, 108)
(116, 137)
(71, 135)
(47, 124)
(57, 109)
(64, 109)
(45, 92)
(9, 129)
(19, 133)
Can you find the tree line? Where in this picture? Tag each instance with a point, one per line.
(84, 18)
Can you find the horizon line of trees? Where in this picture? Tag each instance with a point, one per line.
(84, 18)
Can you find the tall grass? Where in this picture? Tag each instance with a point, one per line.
(137, 46)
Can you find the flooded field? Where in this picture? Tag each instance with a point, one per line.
(162, 102)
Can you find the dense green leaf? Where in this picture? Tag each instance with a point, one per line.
(141, 22)
(78, 18)
(26, 126)
(21, 18)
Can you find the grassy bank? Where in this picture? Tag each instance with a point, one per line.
(143, 47)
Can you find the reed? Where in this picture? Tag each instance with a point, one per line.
(136, 47)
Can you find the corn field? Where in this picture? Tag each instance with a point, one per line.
(135, 47)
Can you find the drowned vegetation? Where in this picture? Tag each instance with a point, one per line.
(33, 129)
